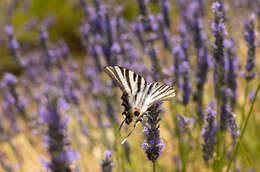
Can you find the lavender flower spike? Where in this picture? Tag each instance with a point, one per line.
(107, 164)
(209, 134)
(219, 30)
(153, 145)
(250, 38)
(13, 44)
(61, 154)
(232, 125)
(232, 71)
(186, 86)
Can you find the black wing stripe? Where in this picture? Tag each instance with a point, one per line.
(150, 88)
(117, 76)
(168, 94)
(155, 91)
(163, 97)
(134, 76)
(121, 74)
(128, 79)
(112, 73)
(144, 95)
(122, 71)
(165, 91)
(139, 80)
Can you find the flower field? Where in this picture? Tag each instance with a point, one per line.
(76, 76)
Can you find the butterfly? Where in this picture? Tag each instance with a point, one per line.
(138, 94)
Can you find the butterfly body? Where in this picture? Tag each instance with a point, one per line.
(138, 94)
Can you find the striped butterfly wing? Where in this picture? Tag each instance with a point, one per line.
(127, 80)
(160, 92)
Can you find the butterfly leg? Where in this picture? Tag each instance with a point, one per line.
(121, 125)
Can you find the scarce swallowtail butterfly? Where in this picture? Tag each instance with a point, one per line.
(138, 94)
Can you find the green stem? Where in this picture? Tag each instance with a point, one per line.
(244, 104)
(216, 158)
(154, 167)
(244, 128)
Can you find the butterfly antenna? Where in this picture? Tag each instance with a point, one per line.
(130, 131)
(121, 125)
(125, 139)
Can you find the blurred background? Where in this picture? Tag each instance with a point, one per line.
(60, 112)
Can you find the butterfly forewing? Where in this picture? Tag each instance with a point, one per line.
(128, 81)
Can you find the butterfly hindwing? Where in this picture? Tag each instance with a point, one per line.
(160, 92)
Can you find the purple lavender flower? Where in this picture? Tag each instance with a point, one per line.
(218, 48)
(11, 95)
(58, 145)
(250, 38)
(224, 109)
(107, 164)
(209, 134)
(153, 144)
(185, 40)
(164, 32)
(232, 125)
(183, 123)
(84, 5)
(13, 44)
(144, 15)
(44, 38)
(178, 56)
(186, 85)
(136, 27)
(165, 7)
(152, 50)
(232, 71)
(111, 60)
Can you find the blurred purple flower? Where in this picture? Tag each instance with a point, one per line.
(178, 56)
(10, 79)
(57, 143)
(199, 39)
(165, 7)
(186, 85)
(107, 163)
(13, 44)
(9, 29)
